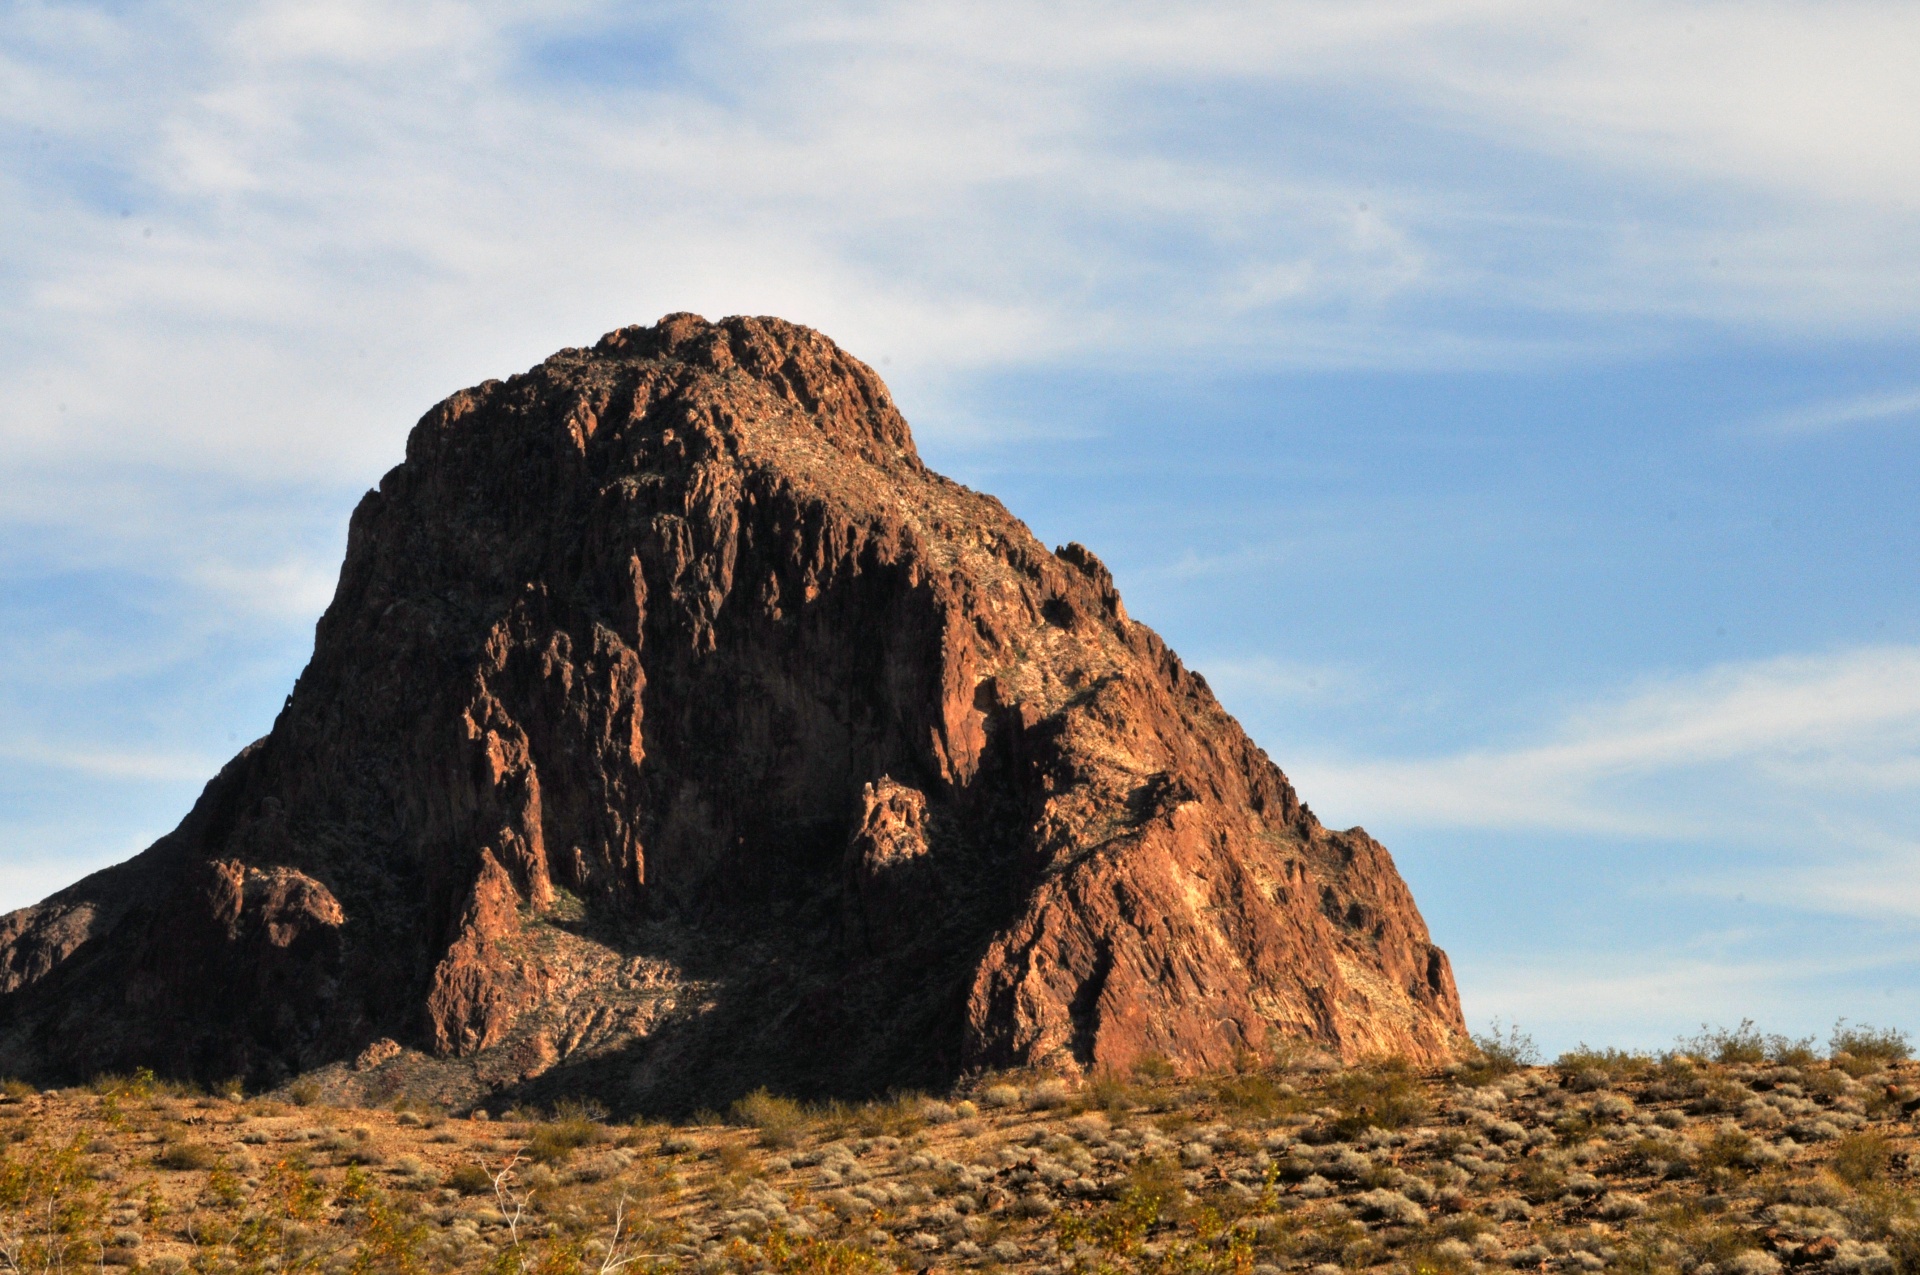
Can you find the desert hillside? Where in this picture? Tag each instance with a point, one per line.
(1742, 1156)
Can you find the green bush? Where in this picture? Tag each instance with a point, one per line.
(780, 1121)
(1500, 1052)
(185, 1155)
(1869, 1044)
(1158, 1186)
(1791, 1051)
(580, 1108)
(1747, 1044)
(1386, 1095)
(1539, 1181)
(1614, 1064)
(1254, 1094)
(1860, 1159)
(1576, 1126)
(470, 1179)
(1152, 1069)
(1108, 1092)
(811, 1255)
(554, 1142)
(1742, 1044)
(898, 1115)
(51, 1213)
(1726, 1156)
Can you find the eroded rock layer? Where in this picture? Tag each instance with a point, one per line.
(674, 730)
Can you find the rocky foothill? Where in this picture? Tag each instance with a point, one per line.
(1727, 1162)
(674, 731)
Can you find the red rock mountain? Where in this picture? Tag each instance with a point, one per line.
(674, 730)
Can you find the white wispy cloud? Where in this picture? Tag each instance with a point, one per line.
(110, 764)
(1834, 414)
(1832, 725)
(338, 211)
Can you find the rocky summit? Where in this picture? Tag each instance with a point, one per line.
(674, 732)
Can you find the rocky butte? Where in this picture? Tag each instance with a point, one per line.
(673, 731)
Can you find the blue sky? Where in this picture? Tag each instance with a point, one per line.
(1511, 407)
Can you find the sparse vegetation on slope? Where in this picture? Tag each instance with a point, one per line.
(1737, 1155)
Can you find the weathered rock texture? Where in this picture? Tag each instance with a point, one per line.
(674, 730)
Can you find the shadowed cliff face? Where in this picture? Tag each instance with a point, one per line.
(673, 730)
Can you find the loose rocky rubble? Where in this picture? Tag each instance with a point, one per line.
(1602, 1162)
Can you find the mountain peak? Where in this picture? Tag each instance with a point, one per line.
(673, 731)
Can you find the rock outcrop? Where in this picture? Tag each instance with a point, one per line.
(674, 730)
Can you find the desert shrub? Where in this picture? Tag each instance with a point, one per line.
(780, 1121)
(578, 1108)
(1826, 1082)
(1651, 1154)
(1612, 1065)
(551, 1143)
(1721, 1244)
(16, 1089)
(1747, 1044)
(1724, 1157)
(1049, 1094)
(812, 1255)
(1821, 1191)
(833, 1119)
(295, 1192)
(1000, 1096)
(1462, 1226)
(1868, 1044)
(1447, 1257)
(1386, 1205)
(1160, 1183)
(361, 1152)
(1903, 1245)
(1108, 1092)
(1254, 1094)
(389, 1240)
(1174, 1121)
(185, 1155)
(1539, 1181)
(1116, 1230)
(1152, 1069)
(896, 1116)
(1153, 1202)
(143, 1083)
(303, 1093)
(732, 1159)
(470, 1179)
(1619, 1207)
(1386, 1095)
(1500, 1051)
(1791, 1051)
(1861, 1158)
(1576, 1126)
(1742, 1044)
(50, 1212)
(1718, 1094)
